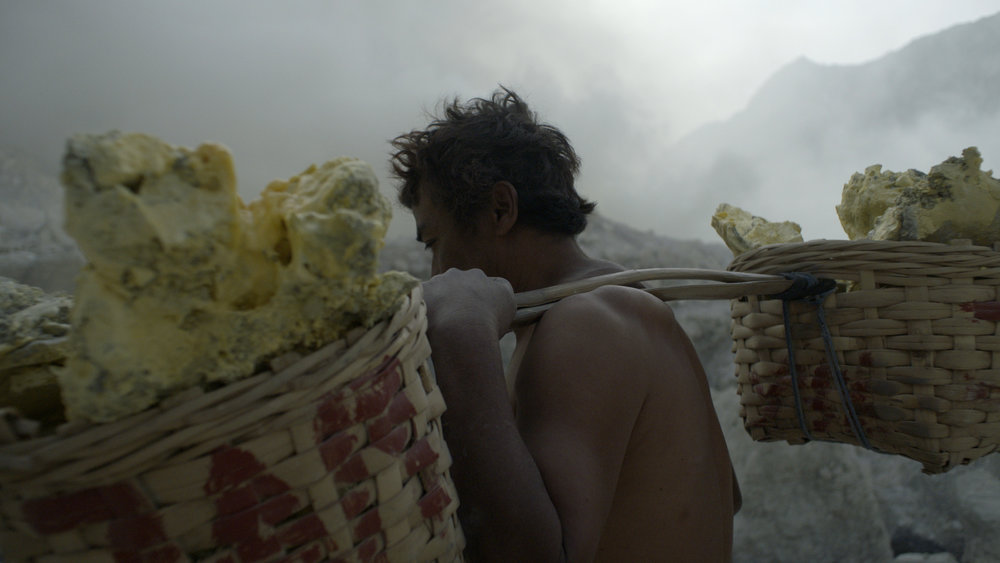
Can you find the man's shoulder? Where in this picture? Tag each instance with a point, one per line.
(614, 304)
(589, 341)
(610, 317)
(613, 340)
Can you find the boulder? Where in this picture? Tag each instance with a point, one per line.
(801, 503)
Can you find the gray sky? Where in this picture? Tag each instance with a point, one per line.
(286, 84)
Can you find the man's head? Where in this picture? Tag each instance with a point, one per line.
(460, 157)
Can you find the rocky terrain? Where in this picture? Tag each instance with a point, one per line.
(34, 249)
(819, 502)
(815, 502)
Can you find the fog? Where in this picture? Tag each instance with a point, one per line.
(288, 84)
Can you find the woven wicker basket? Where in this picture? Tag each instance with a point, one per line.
(916, 339)
(335, 456)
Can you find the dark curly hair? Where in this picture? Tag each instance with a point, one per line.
(483, 142)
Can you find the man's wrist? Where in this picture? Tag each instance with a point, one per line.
(461, 322)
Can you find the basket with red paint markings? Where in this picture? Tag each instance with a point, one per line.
(334, 456)
(904, 357)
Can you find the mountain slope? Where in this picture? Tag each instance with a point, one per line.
(810, 126)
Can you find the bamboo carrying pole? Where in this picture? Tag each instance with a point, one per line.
(531, 305)
(903, 357)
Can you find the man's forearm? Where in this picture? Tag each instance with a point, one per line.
(505, 508)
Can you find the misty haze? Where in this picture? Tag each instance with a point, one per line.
(287, 87)
(272, 93)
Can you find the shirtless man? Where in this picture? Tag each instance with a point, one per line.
(606, 445)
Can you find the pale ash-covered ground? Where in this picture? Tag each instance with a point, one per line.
(818, 502)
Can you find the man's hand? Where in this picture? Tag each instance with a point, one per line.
(495, 475)
(459, 298)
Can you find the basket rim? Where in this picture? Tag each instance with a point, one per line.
(960, 258)
(342, 455)
(360, 350)
(956, 246)
(916, 324)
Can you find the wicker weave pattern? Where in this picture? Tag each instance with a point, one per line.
(337, 456)
(917, 339)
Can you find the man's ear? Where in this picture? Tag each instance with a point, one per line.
(504, 207)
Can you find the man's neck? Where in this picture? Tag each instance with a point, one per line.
(542, 260)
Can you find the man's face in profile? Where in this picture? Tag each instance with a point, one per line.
(450, 245)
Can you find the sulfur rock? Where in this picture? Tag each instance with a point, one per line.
(742, 231)
(186, 285)
(33, 341)
(955, 200)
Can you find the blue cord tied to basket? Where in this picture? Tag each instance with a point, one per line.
(806, 287)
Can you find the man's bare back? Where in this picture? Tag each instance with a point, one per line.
(674, 489)
(614, 451)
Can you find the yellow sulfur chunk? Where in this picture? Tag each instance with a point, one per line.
(742, 231)
(185, 285)
(956, 200)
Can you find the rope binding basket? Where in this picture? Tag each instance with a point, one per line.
(893, 346)
(339, 455)
(334, 456)
(903, 357)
